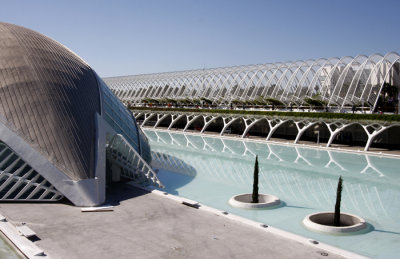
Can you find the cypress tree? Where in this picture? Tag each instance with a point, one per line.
(336, 218)
(255, 183)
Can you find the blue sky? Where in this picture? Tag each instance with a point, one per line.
(135, 37)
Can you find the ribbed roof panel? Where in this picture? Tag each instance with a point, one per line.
(49, 96)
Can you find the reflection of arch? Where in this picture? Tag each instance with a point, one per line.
(300, 157)
(372, 167)
(226, 148)
(332, 161)
(276, 153)
(272, 154)
(293, 180)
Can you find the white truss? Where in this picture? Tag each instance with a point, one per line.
(19, 181)
(335, 126)
(133, 166)
(339, 82)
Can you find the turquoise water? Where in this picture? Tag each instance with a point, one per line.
(211, 170)
(6, 252)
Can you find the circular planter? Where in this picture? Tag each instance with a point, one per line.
(323, 222)
(244, 201)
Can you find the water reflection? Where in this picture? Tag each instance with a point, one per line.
(301, 177)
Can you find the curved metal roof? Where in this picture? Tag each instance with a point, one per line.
(49, 95)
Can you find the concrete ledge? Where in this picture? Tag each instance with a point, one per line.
(27, 247)
(243, 201)
(322, 222)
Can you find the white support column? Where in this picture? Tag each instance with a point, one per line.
(175, 118)
(339, 126)
(190, 120)
(377, 129)
(207, 123)
(300, 131)
(147, 117)
(160, 118)
(249, 126)
(274, 124)
(227, 122)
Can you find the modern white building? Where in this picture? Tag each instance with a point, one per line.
(63, 133)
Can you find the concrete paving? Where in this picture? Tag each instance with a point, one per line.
(146, 225)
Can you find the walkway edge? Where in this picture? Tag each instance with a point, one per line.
(24, 245)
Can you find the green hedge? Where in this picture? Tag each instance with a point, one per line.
(327, 115)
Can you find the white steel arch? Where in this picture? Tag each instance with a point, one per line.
(337, 81)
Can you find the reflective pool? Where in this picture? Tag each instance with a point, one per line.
(210, 170)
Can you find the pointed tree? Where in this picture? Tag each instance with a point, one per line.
(336, 218)
(255, 183)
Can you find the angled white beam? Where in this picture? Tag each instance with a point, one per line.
(227, 122)
(175, 118)
(274, 124)
(207, 121)
(160, 118)
(190, 120)
(249, 122)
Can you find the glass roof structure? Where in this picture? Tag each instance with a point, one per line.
(336, 81)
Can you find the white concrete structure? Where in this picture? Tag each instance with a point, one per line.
(58, 120)
(335, 126)
(322, 222)
(243, 201)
